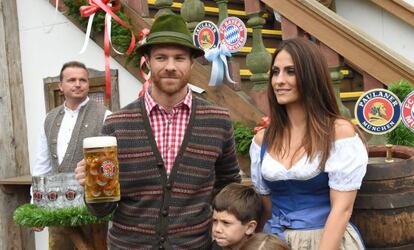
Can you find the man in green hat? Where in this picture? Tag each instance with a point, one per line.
(176, 151)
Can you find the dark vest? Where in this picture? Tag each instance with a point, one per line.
(89, 123)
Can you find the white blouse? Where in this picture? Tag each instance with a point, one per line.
(346, 166)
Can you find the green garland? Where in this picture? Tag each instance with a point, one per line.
(30, 215)
(120, 36)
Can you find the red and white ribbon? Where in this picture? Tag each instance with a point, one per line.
(109, 6)
(142, 38)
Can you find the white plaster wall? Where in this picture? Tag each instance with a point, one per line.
(46, 43)
(378, 23)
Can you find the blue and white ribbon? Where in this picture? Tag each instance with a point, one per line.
(219, 65)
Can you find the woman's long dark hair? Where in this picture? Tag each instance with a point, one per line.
(318, 99)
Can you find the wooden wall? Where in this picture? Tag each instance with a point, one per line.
(14, 159)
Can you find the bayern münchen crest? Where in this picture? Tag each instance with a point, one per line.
(378, 111)
(407, 111)
(233, 34)
(205, 35)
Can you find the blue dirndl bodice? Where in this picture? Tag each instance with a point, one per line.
(299, 204)
(300, 196)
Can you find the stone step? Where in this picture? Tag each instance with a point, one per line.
(208, 9)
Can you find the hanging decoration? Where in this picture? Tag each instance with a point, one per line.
(218, 44)
(218, 57)
(142, 38)
(109, 7)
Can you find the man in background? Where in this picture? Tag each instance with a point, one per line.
(65, 127)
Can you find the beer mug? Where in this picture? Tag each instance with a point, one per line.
(54, 192)
(38, 190)
(73, 192)
(101, 169)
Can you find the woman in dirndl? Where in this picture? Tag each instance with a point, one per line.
(310, 161)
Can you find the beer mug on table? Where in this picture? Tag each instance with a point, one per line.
(101, 169)
(39, 190)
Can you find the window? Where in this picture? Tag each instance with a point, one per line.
(54, 97)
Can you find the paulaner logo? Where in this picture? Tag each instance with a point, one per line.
(378, 111)
(205, 35)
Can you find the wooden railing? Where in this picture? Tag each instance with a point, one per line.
(399, 9)
(353, 44)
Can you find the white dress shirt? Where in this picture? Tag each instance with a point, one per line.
(43, 163)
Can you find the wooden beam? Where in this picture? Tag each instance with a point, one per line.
(140, 6)
(290, 30)
(12, 96)
(14, 159)
(398, 8)
(353, 44)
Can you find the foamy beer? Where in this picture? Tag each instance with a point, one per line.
(102, 169)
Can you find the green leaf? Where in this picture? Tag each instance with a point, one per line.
(243, 136)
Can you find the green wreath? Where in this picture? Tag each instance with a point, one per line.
(30, 215)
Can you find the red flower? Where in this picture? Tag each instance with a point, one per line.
(263, 123)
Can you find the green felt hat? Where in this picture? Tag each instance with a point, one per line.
(169, 29)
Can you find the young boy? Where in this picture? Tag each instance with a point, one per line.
(236, 213)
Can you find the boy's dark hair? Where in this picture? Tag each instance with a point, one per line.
(241, 201)
(71, 64)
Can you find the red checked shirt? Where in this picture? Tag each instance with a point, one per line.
(168, 128)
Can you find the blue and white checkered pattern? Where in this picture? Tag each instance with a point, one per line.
(232, 34)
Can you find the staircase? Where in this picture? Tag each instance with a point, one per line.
(246, 100)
